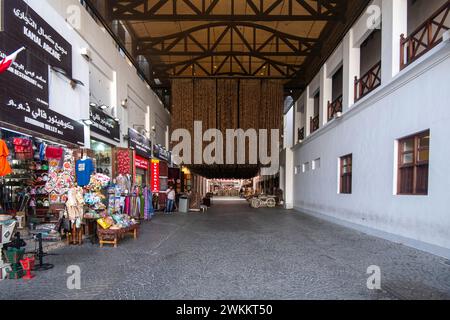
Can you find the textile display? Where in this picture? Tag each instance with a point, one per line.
(84, 170)
(75, 203)
(60, 178)
(5, 168)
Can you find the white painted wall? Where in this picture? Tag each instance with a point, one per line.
(112, 76)
(415, 100)
(288, 133)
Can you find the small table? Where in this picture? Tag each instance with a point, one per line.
(110, 236)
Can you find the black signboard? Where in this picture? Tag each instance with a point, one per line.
(27, 74)
(105, 125)
(21, 112)
(33, 32)
(162, 154)
(140, 143)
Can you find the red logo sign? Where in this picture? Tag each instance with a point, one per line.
(141, 163)
(155, 176)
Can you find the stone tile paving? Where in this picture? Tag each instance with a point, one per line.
(235, 252)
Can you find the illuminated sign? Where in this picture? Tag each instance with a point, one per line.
(155, 183)
(141, 163)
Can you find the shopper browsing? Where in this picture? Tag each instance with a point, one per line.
(171, 196)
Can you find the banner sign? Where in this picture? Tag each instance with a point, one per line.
(19, 111)
(162, 154)
(140, 143)
(33, 32)
(27, 74)
(104, 125)
(155, 176)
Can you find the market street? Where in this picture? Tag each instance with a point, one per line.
(234, 252)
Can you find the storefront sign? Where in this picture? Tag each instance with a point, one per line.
(27, 74)
(20, 111)
(140, 143)
(162, 154)
(105, 125)
(23, 23)
(141, 163)
(155, 176)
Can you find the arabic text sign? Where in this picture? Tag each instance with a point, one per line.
(23, 23)
(140, 143)
(104, 125)
(27, 74)
(19, 111)
(162, 154)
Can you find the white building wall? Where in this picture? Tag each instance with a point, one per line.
(407, 102)
(415, 100)
(113, 77)
(62, 98)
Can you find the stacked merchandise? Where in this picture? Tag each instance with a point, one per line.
(94, 197)
(49, 232)
(39, 196)
(26, 188)
(116, 222)
(16, 168)
(132, 201)
(115, 203)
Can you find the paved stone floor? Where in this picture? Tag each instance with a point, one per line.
(234, 252)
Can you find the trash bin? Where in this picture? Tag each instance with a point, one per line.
(184, 205)
(207, 202)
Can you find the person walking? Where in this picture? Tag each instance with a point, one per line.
(171, 196)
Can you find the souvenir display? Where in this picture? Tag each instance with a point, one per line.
(64, 192)
(98, 182)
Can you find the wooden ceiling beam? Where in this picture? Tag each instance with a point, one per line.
(142, 10)
(170, 45)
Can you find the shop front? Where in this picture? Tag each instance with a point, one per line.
(51, 185)
(142, 171)
(163, 160)
(139, 200)
(104, 128)
(42, 159)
